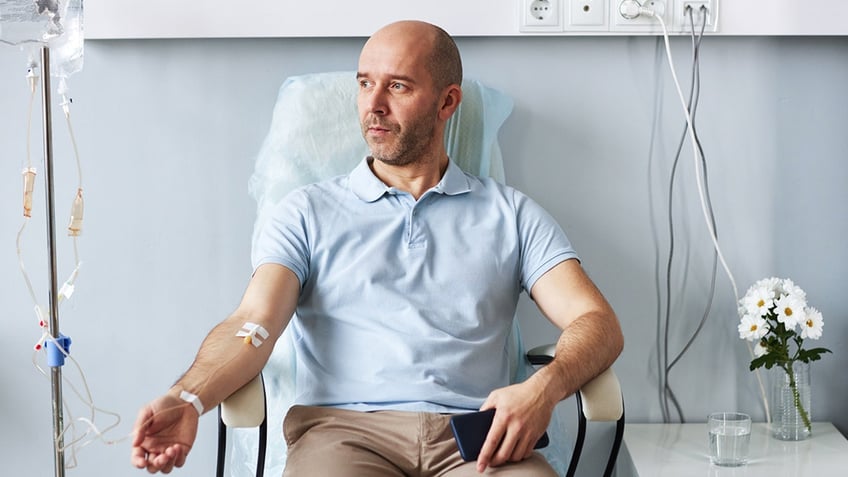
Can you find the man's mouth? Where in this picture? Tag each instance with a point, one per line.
(378, 130)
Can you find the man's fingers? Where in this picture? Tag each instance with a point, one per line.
(173, 456)
(167, 468)
(490, 446)
(529, 451)
(178, 454)
(504, 446)
(506, 450)
(159, 463)
(522, 450)
(181, 458)
(139, 458)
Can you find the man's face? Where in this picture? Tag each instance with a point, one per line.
(398, 104)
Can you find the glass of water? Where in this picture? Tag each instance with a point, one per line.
(730, 437)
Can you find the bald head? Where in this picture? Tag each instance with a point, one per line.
(436, 48)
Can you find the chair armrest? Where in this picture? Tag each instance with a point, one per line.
(541, 354)
(245, 407)
(602, 399)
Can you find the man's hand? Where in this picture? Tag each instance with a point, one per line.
(163, 434)
(522, 414)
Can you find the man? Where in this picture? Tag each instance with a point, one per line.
(405, 277)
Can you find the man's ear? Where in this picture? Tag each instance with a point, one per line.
(450, 100)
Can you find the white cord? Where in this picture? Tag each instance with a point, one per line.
(701, 195)
(696, 154)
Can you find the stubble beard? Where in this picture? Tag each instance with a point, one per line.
(403, 146)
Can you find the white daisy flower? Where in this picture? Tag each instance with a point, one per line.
(772, 283)
(788, 287)
(811, 326)
(789, 310)
(758, 301)
(775, 315)
(753, 327)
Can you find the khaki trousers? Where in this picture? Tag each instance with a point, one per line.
(339, 443)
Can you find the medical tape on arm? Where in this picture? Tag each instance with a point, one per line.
(253, 333)
(193, 400)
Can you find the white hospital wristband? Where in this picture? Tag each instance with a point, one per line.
(193, 400)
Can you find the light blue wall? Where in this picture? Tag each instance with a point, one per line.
(168, 130)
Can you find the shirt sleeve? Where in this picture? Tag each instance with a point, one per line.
(543, 243)
(284, 239)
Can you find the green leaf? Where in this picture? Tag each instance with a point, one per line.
(768, 360)
(807, 355)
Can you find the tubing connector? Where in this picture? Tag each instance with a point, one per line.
(57, 349)
(29, 185)
(32, 77)
(62, 89)
(75, 225)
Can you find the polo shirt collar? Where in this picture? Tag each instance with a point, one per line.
(369, 188)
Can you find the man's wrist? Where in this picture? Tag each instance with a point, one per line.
(550, 383)
(190, 398)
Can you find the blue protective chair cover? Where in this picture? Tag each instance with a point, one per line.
(315, 135)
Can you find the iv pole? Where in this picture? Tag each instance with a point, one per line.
(53, 299)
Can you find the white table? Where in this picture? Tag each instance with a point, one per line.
(677, 450)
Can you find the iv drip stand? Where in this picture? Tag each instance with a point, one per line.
(53, 299)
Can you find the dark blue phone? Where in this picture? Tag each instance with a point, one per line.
(470, 430)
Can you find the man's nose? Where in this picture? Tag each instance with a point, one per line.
(375, 102)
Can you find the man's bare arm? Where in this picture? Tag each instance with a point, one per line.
(589, 343)
(226, 362)
(166, 428)
(591, 337)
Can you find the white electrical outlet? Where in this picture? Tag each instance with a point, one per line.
(540, 15)
(702, 10)
(625, 19)
(586, 15)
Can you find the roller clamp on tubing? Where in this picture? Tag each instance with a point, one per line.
(57, 349)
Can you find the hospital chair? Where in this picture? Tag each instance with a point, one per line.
(315, 134)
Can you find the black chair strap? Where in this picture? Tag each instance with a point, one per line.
(578, 441)
(616, 444)
(222, 445)
(263, 442)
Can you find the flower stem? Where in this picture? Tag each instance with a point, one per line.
(796, 397)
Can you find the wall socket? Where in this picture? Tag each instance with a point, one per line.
(586, 15)
(702, 10)
(597, 16)
(540, 15)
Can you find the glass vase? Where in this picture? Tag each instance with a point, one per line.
(791, 417)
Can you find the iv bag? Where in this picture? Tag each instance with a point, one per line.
(57, 24)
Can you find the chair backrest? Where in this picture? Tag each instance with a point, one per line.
(315, 135)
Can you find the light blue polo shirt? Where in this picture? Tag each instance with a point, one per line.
(407, 304)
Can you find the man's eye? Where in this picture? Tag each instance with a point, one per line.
(398, 86)
(364, 83)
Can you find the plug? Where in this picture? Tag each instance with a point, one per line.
(632, 9)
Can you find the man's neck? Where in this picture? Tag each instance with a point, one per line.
(415, 178)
